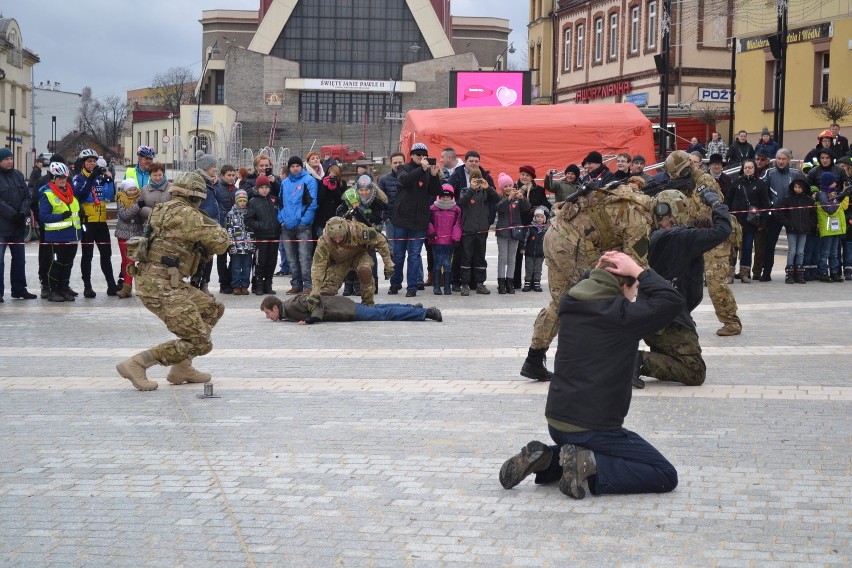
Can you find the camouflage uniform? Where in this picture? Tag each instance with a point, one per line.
(182, 239)
(717, 260)
(675, 356)
(616, 219)
(333, 261)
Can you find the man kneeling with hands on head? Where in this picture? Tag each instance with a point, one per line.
(618, 304)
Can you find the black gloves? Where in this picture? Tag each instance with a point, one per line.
(709, 196)
(66, 214)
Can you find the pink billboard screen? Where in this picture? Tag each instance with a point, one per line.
(489, 88)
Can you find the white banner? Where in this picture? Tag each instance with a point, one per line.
(349, 85)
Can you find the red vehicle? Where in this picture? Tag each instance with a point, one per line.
(342, 152)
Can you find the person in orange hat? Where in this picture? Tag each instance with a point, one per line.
(825, 140)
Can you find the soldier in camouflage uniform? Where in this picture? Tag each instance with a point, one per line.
(580, 231)
(180, 239)
(716, 261)
(344, 246)
(677, 254)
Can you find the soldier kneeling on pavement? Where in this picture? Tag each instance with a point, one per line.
(344, 246)
(178, 239)
(677, 254)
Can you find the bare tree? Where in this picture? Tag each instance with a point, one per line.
(173, 87)
(709, 116)
(87, 113)
(111, 116)
(834, 110)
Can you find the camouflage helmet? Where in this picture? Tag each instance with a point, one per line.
(336, 228)
(189, 184)
(674, 203)
(677, 164)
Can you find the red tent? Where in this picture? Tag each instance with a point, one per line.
(544, 136)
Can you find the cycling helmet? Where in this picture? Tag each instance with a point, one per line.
(88, 153)
(145, 152)
(58, 169)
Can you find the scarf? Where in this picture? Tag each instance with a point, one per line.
(125, 200)
(317, 174)
(66, 195)
(157, 186)
(445, 205)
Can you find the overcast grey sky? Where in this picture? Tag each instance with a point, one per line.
(114, 46)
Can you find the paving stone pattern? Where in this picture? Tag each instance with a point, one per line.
(379, 444)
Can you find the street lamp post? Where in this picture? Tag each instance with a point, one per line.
(413, 48)
(210, 51)
(53, 134)
(500, 63)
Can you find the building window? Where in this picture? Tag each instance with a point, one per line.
(613, 36)
(340, 47)
(823, 86)
(581, 44)
(634, 29)
(568, 49)
(652, 24)
(598, 40)
(352, 108)
(220, 94)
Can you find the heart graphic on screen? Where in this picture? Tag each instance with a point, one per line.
(506, 96)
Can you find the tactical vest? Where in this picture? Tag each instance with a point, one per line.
(172, 247)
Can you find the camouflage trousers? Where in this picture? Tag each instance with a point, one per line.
(566, 264)
(187, 312)
(675, 356)
(330, 282)
(716, 265)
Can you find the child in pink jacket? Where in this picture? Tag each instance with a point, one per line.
(443, 233)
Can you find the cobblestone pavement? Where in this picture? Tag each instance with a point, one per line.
(379, 444)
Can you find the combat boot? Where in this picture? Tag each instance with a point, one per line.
(730, 329)
(501, 285)
(87, 289)
(534, 457)
(800, 274)
(789, 275)
(184, 372)
(133, 369)
(745, 274)
(125, 292)
(534, 367)
(578, 464)
(267, 286)
(510, 286)
(347, 288)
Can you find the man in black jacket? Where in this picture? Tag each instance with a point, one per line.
(14, 212)
(418, 184)
(677, 254)
(589, 396)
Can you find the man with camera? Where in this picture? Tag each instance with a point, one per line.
(419, 182)
(93, 188)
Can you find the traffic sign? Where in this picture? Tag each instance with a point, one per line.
(166, 139)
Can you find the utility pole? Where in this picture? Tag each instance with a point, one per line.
(665, 65)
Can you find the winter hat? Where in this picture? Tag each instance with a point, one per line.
(101, 163)
(574, 169)
(447, 189)
(762, 152)
(475, 174)
(638, 159)
(825, 180)
(593, 158)
(503, 180)
(802, 181)
(295, 160)
(129, 183)
(765, 131)
(240, 195)
(5, 153)
(527, 169)
(540, 211)
(364, 182)
(261, 180)
(204, 161)
(716, 159)
(420, 148)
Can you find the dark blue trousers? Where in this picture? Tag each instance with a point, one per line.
(626, 463)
